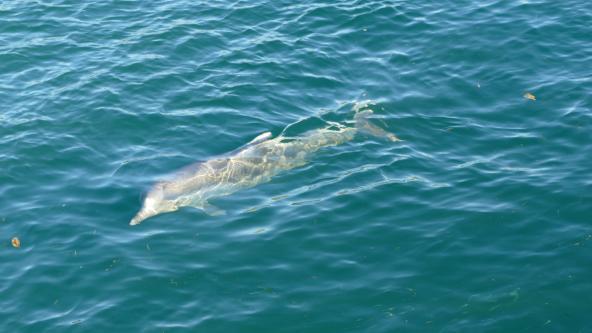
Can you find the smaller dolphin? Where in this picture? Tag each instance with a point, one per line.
(255, 163)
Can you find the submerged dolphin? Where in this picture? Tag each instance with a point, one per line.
(255, 163)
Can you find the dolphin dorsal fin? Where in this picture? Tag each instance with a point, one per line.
(260, 138)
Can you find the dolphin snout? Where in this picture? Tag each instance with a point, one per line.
(135, 221)
(141, 216)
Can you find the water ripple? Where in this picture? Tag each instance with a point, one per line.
(477, 220)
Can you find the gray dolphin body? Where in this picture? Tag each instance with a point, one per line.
(256, 163)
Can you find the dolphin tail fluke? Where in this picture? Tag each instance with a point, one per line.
(363, 124)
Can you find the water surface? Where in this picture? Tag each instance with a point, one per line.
(479, 221)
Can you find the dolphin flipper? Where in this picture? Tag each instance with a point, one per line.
(211, 209)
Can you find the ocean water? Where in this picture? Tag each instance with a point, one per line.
(480, 220)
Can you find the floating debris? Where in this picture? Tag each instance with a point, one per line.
(16, 243)
(530, 96)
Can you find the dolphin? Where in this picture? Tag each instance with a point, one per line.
(255, 163)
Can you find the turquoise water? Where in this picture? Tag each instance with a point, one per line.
(479, 221)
